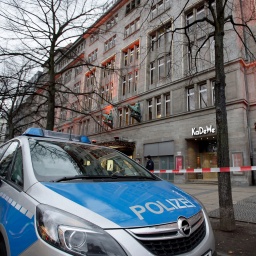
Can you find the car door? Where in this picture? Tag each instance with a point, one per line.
(16, 215)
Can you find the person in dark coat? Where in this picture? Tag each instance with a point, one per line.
(150, 164)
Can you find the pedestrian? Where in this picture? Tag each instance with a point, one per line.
(150, 163)
(137, 160)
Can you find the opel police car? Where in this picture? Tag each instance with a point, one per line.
(61, 195)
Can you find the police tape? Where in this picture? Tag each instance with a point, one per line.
(205, 170)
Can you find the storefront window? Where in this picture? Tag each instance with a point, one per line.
(191, 99)
(203, 96)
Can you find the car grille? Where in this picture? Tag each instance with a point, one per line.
(171, 242)
(178, 245)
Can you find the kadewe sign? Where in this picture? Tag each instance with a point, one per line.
(203, 130)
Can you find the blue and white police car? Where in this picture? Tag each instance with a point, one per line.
(61, 195)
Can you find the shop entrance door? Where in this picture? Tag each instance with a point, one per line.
(164, 163)
(209, 160)
(202, 153)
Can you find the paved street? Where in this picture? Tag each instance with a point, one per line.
(244, 199)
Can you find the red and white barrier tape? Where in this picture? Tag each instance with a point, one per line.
(203, 170)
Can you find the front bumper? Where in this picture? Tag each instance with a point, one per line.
(132, 246)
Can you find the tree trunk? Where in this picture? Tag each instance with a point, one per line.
(51, 92)
(51, 106)
(10, 126)
(227, 219)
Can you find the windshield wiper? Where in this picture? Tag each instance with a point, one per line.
(77, 177)
(102, 177)
(143, 177)
(133, 177)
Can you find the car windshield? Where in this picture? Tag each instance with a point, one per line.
(57, 160)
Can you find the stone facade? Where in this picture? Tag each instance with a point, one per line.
(151, 66)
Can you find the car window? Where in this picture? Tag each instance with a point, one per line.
(3, 148)
(52, 160)
(17, 170)
(6, 161)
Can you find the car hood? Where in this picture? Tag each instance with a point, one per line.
(130, 203)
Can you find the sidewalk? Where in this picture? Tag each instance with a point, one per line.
(242, 240)
(244, 200)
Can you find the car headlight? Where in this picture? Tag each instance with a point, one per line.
(74, 235)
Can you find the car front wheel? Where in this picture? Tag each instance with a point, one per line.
(2, 246)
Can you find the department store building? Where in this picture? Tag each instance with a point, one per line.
(137, 63)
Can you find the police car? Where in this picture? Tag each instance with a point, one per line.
(61, 195)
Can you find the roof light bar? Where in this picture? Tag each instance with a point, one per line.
(39, 132)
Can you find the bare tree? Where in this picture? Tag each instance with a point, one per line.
(17, 94)
(37, 29)
(47, 25)
(217, 21)
(223, 16)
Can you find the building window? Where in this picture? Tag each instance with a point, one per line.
(85, 127)
(112, 22)
(110, 43)
(136, 75)
(111, 92)
(131, 55)
(107, 80)
(77, 87)
(78, 70)
(153, 12)
(131, 6)
(161, 71)
(106, 93)
(160, 68)
(98, 126)
(124, 85)
(120, 116)
(150, 111)
(189, 20)
(126, 116)
(160, 39)
(137, 52)
(203, 96)
(102, 94)
(212, 50)
(200, 53)
(153, 42)
(129, 82)
(191, 99)
(68, 76)
(94, 37)
(87, 102)
(159, 7)
(128, 55)
(90, 79)
(131, 28)
(200, 13)
(62, 115)
(168, 66)
(158, 107)
(213, 4)
(190, 60)
(92, 56)
(167, 99)
(152, 72)
(73, 111)
(213, 92)
(125, 58)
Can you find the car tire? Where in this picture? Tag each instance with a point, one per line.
(2, 246)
